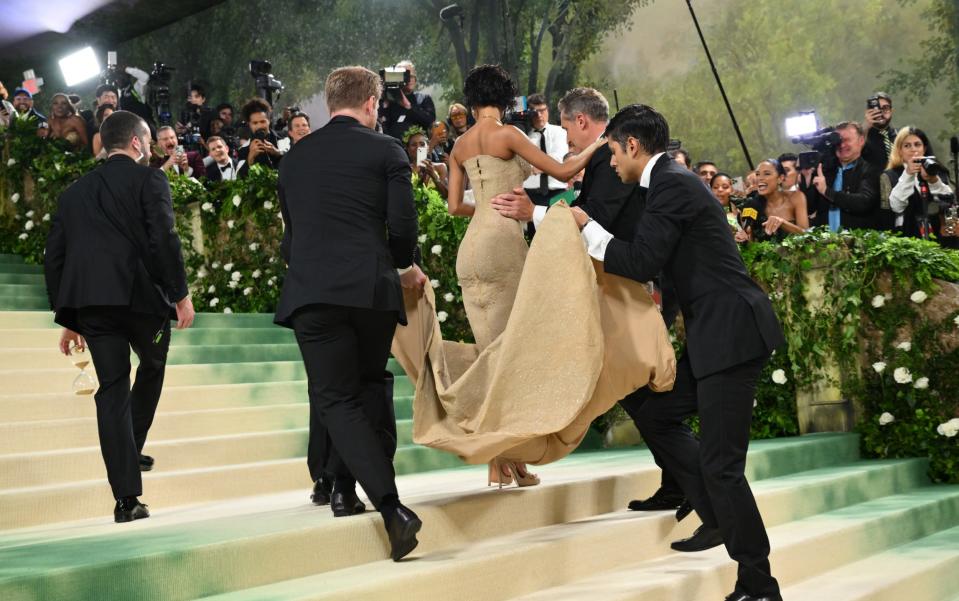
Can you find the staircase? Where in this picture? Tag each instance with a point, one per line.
(232, 518)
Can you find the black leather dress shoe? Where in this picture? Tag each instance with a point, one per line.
(684, 510)
(346, 503)
(128, 509)
(401, 526)
(660, 501)
(146, 463)
(704, 538)
(321, 492)
(744, 597)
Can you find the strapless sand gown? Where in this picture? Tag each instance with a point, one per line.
(558, 341)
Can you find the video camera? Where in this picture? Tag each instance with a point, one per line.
(394, 79)
(823, 143)
(113, 75)
(159, 92)
(519, 114)
(266, 84)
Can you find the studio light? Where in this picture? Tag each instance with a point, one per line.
(79, 66)
(802, 124)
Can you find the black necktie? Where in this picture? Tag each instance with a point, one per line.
(543, 178)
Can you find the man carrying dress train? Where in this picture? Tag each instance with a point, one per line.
(347, 204)
(731, 330)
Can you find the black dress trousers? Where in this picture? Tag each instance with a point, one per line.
(125, 414)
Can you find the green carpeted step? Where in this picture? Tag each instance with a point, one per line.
(228, 554)
(32, 279)
(44, 319)
(8, 258)
(18, 291)
(25, 303)
(20, 268)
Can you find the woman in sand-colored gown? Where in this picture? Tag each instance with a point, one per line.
(557, 342)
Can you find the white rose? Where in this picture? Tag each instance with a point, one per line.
(886, 418)
(948, 429)
(904, 346)
(28, 225)
(448, 297)
(57, 166)
(214, 302)
(215, 265)
(435, 283)
(955, 320)
(232, 284)
(441, 316)
(207, 206)
(211, 289)
(30, 214)
(879, 366)
(247, 291)
(272, 281)
(267, 205)
(256, 274)
(235, 276)
(254, 246)
(23, 236)
(230, 224)
(202, 272)
(755, 403)
(228, 267)
(46, 216)
(918, 297)
(228, 310)
(41, 180)
(15, 197)
(236, 200)
(921, 383)
(437, 249)
(11, 162)
(421, 239)
(779, 376)
(878, 301)
(902, 375)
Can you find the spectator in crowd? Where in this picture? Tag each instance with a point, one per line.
(23, 103)
(847, 196)
(551, 139)
(172, 156)
(103, 111)
(438, 141)
(216, 126)
(880, 134)
(408, 108)
(901, 185)
(722, 188)
(225, 112)
(789, 162)
(222, 166)
(457, 122)
(681, 156)
(773, 213)
(262, 149)
(64, 122)
(706, 170)
(429, 173)
(196, 115)
(299, 127)
(109, 94)
(6, 109)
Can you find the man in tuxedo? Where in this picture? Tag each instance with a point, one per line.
(618, 207)
(731, 330)
(115, 277)
(174, 158)
(347, 203)
(221, 167)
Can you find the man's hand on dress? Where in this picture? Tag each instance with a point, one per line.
(414, 279)
(515, 205)
(580, 216)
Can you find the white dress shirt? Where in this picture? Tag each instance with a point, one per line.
(227, 172)
(597, 238)
(556, 147)
(907, 185)
(539, 211)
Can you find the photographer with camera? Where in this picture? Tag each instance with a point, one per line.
(551, 139)
(173, 157)
(195, 117)
(880, 134)
(846, 195)
(912, 182)
(262, 148)
(402, 108)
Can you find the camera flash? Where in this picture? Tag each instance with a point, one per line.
(802, 124)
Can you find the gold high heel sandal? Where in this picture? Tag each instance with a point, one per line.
(522, 479)
(497, 474)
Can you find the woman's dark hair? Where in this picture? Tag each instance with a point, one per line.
(719, 175)
(776, 164)
(102, 109)
(643, 123)
(119, 128)
(489, 85)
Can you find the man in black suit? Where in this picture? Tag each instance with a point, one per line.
(846, 196)
(618, 207)
(347, 202)
(731, 330)
(113, 270)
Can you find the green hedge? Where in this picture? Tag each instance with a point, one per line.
(240, 270)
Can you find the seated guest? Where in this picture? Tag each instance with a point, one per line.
(428, 172)
(64, 122)
(262, 149)
(681, 156)
(706, 170)
(901, 185)
(847, 195)
(722, 188)
(223, 166)
(103, 111)
(773, 213)
(172, 157)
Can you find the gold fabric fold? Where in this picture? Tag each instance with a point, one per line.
(577, 341)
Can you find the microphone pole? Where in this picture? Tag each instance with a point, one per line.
(954, 147)
(722, 90)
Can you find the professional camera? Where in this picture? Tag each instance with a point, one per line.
(260, 134)
(933, 168)
(394, 80)
(159, 92)
(266, 84)
(823, 143)
(519, 114)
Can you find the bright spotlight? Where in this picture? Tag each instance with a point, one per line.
(802, 124)
(79, 66)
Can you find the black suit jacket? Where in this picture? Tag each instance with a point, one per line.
(212, 172)
(347, 203)
(874, 150)
(615, 205)
(858, 201)
(112, 242)
(684, 234)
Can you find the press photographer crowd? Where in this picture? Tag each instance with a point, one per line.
(868, 174)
